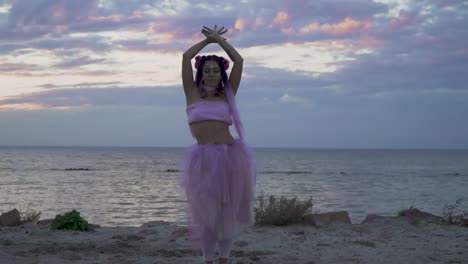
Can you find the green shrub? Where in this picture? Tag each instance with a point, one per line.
(69, 221)
(280, 212)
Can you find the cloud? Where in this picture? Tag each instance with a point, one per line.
(310, 28)
(401, 21)
(30, 20)
(61, 18)
(14, 67)
(270, 82)
(241, 24)
(286, 98)
(347, 26)
(89, 84)
(376, 62)
(425, 42)
(90, 97)
(281, 18)
(77, 62)
(92, 43)
(96, 73)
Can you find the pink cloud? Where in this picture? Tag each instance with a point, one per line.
(241, 24)
(311, 28)
(110, 18)
(403, 20)
(281, 18)
(347, 26)
(258, 22)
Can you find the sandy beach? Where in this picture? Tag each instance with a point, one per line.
(386, 240)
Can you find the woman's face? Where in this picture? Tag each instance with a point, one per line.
(211, 73)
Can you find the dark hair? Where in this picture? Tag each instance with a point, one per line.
(199, 75)
(224, 85)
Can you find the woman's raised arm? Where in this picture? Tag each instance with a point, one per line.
(236, 72)
(187, 72)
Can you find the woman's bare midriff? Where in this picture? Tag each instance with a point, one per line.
(210, 131)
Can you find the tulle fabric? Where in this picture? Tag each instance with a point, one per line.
(234, 112)
(219, 182)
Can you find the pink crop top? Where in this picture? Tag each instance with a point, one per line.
(209, 110)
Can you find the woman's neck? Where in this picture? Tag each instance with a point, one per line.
(210, 88)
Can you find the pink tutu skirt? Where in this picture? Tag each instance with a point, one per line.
(219, 182)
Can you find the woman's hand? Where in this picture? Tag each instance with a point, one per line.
(214, 35)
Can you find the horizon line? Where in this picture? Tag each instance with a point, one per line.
(298, 148)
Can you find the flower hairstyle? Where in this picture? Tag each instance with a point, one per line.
(224, 85)
(223, 66)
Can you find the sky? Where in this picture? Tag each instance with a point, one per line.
(346, 74)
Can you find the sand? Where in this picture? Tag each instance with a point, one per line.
(388, 240)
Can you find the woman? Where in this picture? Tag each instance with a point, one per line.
(219, 172)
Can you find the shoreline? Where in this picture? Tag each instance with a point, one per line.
(381, 240)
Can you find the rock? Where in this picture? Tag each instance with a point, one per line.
(45, 222)
(414, 214)
(372, 218)
(154, 223)
(11, 218)
(76, 169)
(180, 232)
(27, 225)
(327, 218)
(147, 232)
(94, 226)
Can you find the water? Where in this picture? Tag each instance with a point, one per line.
(130, 186)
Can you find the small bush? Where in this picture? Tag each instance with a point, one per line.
(280, 212)
(29, 215)
(69, 221)
(449, 213)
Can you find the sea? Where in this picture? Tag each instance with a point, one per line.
(128, 186)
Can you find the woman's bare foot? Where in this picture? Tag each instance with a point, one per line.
(223, 260)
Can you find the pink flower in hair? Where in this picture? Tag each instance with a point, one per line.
(225, 63)
(197, 61)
